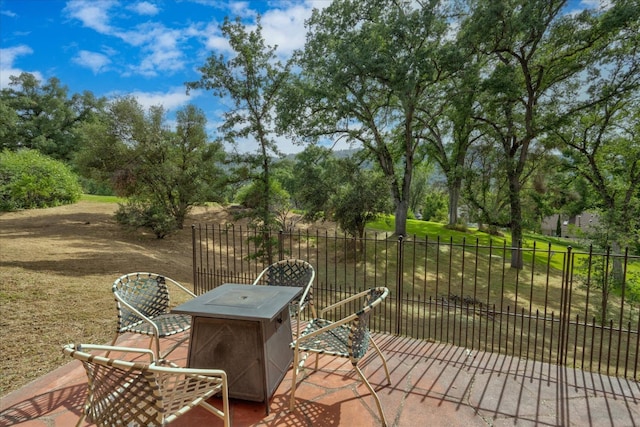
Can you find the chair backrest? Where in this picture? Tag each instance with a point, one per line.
(120, 392)
(359, 334)
(291, 272)
(124, 393)
(146, 292)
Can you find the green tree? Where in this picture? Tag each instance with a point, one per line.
(370, 73)
(534, 53)
(601, 143)
(340, 189)
(602, 147)
(250, 196)
(420, 186)
(43, 116)
(164, 172)
(314, 174)
(452, 132)
(359, 198)
(485, 188)
(253, 80)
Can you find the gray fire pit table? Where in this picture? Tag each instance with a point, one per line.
(246, 331)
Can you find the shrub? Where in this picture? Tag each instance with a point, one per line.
(29, 179)
(136, 214)
(435, 207)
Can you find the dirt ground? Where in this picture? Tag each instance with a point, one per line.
(56, 270)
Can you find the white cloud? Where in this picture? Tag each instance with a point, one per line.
(285, 28)
(171, 100)
(9, 55)
(216, 42)
(97, 62)
(93, 14)
(596, 4)
(7, 67)
(8, 13)
(144, 8)
(241, 8)
(161, 47)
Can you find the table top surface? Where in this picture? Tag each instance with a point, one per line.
(240, 301)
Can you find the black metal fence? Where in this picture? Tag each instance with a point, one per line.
(580, 309)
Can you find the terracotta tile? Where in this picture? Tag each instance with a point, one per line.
(431, 384)
(422, 410)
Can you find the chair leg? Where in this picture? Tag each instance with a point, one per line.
(384, 360)
(172, 349)
(374, 394)
(224, 414)
(294, 375)
(84, 413)
(113, 343)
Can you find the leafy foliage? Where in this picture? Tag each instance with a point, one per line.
(43, 117)
(252, 78)
(370, 73)
(165, 172)
(340, 189)
(137, 213)
(29, 179)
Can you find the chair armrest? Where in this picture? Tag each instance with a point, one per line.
(341, 303)
(178, 285)
(173, 369)
(108, 348)
(324, 329)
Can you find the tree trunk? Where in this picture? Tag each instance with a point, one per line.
(617, 270)
(402, 207)
(454, 197)
(516, 220)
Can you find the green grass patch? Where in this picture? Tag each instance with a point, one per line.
(101, 199)
(434, 230)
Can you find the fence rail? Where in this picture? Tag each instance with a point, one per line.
(571, 308)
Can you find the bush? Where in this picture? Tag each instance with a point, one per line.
(29, 179)
(95, 187)
(436, 206)
(136, 214)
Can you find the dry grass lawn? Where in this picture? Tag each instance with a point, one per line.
(56, 270)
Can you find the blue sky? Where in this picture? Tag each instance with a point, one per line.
(147, 49)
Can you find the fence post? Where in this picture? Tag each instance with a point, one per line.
(194, 257)
(399, 284)
(280, 245)
(565, 303)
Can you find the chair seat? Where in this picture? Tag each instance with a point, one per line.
(168, 324)
(348, 337)
(333, 342)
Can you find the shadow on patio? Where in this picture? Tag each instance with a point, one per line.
(432, 384)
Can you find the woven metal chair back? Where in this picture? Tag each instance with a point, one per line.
(124, 393)
(359, 333)
(294, 272)
(121, 393)
(146, 292)
(289, 273)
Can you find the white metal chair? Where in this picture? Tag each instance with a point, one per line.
(143, 304)
(292, 272)
(348, 337)
(140, 393)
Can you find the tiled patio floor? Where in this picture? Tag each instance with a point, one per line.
(432, 385)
